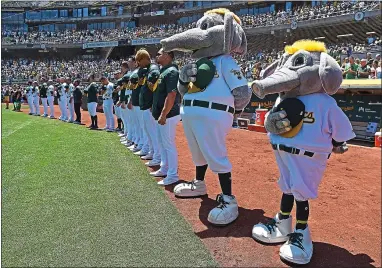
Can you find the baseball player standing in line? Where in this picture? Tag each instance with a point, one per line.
(77, 100)
(117, 109)
(134, 107)
(92, 94)
(69, 95)
(28, 93)
(63, 99)
(166, 111)
(51, 98)
(132, 66)
(122, 104)
(145, 103)
(108, 103)
(44, 100)
(36, 98)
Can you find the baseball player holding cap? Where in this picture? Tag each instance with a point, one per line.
(29, 95)
(50, 98)
(92, 94)
(44, 98)
(145, 103)
(166, 112)
(63, 99)
(134, 100)
(70, 101)
(106, 92)
(36, 98)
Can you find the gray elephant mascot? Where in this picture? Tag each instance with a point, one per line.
(304, 127)
(213, 90)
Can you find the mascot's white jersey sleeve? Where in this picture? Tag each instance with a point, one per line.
(109, 90)
(228, 76)
(323, 121)
(51, 89)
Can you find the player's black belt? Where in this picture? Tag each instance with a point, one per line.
(292, 150)
(206, 104)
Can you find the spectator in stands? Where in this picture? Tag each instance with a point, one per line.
(378, 71)
(351, 69)
(363, 69)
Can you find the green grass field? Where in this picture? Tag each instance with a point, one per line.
(73, 197)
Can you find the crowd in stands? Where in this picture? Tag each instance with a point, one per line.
(249, 21)
(251, 64)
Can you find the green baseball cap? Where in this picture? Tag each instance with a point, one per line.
(119, 82)
(125, 78)
(142, 72)
(134, 78)
(153, 77)
(205, 73)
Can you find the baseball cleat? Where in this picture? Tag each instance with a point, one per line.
(191, 189)
(52, 117)
(168, 181)
(136, 149)
(152, 163)
(30, 113)
(273, 232)
(158, 173)
(299, 247)
(109, 130)
(147, 157)
(226, 212)
(122, 135)
(141, 153)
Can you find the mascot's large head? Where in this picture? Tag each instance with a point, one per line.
(305, 68)
(218, 32)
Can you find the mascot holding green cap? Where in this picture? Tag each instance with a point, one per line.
(214, 90)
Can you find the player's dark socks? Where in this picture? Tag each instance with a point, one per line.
(201, 172)
(287, 201)
(92, 118)
(226, 183)
(95, 121)
(119, 123)
(302, 214)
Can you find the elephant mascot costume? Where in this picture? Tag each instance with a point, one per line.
(214, 90)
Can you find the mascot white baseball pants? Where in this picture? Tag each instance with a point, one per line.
(300, 175)
(206, 131)
(31, 105)
(36, 103)
(71, 109)
(51, 105)
(92, 108)
(44, 102)
(166, 140)
(150, 129)
(108, 111)
(63, 107)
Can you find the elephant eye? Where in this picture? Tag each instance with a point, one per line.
(203, 26)
(298, 61)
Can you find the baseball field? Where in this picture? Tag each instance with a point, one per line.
(74, 197)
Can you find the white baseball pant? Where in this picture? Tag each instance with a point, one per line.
(31, 105)
(36, 103)
(169, 154)
(144, 140)
(123, 114)
(64, 110)
(51, 105)
(117, 111)
(71, 109)
(134, 126)
(44, 102)
(138, 128)
(108, 111)
(150, 129)
(92, 108)
(300, 175)
(206, 131)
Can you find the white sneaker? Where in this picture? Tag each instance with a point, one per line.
(299, 247)
(152, 163)
(168, 181)
(226, 212)
(147, 157)
(131, 147)
(191, 189)
(141, 153)
(122, 135)
(158, 173)
(136, 149)
(274, 231)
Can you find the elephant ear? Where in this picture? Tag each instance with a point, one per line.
(330, 74)
(270, 69)
(235, 39)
